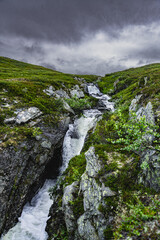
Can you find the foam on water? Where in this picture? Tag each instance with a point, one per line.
(32, 223)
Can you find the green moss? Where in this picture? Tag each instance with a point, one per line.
(108, 233)
(76, 168)
(77, 205)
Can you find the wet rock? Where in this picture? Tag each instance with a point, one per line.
(93, 91)
(104, 104)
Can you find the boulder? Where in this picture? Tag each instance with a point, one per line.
(49, 91)
(76, 92)
(24, 116)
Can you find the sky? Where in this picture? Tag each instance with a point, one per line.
(81, 36)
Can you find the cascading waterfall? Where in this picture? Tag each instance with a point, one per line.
(32, 223)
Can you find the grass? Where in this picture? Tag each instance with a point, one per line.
(22, 85)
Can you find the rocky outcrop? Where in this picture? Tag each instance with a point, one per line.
(23, 169)
(90, 223)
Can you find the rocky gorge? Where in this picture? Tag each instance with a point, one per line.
(107, 159)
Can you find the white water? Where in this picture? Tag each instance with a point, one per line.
(75, 136)
(104, 98)
(32, 223)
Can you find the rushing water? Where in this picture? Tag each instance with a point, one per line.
(104, 102)
(32, 223)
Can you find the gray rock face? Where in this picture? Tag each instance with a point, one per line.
(85, 228)
(25, 116)
(22, 171)
(92, 223)
(68, 211)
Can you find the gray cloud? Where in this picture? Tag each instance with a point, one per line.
(75, 36)
(67, 21)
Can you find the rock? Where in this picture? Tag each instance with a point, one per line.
(43, 159)
(104, 104)
(49, 91)
(76, 92)
(24, 116)
(2, 185)
(68, 211)
(67, 107)
(61, 94)
(86, 229)
(134, 103)
(46, 144)
(57, 94)
(92, 166)
(28, 115)
(9, 120)
(147, 112)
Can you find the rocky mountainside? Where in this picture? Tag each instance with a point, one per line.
(109, 191)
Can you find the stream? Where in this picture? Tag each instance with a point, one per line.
(33, 220)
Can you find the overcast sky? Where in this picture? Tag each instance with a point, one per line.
(81, 36)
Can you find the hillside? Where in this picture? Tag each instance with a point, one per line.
(111, 189)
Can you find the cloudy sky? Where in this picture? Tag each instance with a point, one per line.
(81, 36)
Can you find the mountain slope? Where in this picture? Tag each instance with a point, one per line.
(111, 190)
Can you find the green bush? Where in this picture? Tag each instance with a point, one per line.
(135, 134)
(78, 104)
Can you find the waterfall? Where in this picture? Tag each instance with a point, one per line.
(32, 223)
